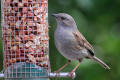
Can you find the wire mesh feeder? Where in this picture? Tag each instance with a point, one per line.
(25, 39)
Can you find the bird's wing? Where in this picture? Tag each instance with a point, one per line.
(83, 42)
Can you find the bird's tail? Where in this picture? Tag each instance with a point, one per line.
(100, 62)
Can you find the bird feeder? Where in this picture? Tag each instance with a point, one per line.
(25, 40)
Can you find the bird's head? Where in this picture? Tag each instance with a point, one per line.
(64, 19)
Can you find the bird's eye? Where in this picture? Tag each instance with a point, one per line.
(63, 18)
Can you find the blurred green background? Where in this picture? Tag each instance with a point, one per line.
(99, 22)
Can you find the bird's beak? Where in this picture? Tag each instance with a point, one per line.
(54, 15)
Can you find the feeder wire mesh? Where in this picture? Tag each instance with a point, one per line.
(25, 38)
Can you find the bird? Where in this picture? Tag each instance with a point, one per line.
(71, 43)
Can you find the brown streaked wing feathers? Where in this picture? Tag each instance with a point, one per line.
(83, 42)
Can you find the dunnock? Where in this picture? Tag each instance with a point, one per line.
(71, 43)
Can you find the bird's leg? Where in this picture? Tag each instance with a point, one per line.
(68, 62)
(76, 67)
(71, 73)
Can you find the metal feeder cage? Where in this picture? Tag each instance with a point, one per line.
(25, 40)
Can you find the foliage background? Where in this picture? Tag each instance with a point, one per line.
(99, 22)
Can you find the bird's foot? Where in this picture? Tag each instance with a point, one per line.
(71, 74)
(57, 73)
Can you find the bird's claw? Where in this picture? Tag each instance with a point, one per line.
(71, 74)
(57, 73)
